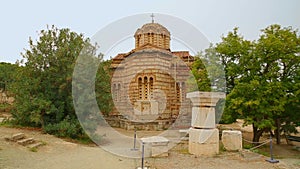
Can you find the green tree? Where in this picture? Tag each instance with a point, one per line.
(279, 50)
(43, 87)
(208, 71)
(7, 75)
(201, 75)
(222, 67)
(264, 80)
(232, 52)
(103, 87)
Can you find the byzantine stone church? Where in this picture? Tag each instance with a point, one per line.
(149, 83)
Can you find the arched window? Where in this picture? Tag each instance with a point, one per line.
(140, 86)
(146, 87)
(138, 41)
(178, 93)
(148, 38)
(151, 87)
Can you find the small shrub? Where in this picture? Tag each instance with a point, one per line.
(67, 128)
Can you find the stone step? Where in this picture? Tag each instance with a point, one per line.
(18, 136)
(8, 138)
(26, 141)
(35, 145)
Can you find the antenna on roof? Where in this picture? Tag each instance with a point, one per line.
(152, 16)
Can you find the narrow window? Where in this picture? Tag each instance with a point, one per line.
(146, 87)
(140, 86)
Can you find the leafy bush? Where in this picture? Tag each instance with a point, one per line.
(66, 128)
(5, 107)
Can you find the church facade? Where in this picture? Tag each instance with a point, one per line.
(149, 83)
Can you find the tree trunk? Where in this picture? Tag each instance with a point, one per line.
(42, 119)
(277, 130)
(256, 134)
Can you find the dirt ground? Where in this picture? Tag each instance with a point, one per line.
(61, 154)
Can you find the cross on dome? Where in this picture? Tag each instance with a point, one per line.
(152, 16)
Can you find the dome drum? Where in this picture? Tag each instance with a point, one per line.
(152, 34)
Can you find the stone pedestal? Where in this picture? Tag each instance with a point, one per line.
(232, 140)
(155, 146)
(204, 141)
(203, 117)
(203, 135)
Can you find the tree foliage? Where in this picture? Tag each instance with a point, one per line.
(263, 78)
(7, 73)
(43, 87)
(208, 71)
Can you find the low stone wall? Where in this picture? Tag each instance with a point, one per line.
(5, 98)
(130, 125)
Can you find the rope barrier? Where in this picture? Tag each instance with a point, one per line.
(260, 143)
(254, 142)
(267, 141)
(271, 160)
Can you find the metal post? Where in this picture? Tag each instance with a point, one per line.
(134, 141)
(272, 160)
(143, 146)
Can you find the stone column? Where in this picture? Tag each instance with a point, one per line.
(203, 134)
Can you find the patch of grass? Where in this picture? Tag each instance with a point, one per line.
(261, 152)
(222, 148)
(247, 146)
(33, 149)
(83, 140)
(183, 151)
(43, 143)
(86, 141)
(9, 123)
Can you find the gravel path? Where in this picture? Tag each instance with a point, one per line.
(60, 154)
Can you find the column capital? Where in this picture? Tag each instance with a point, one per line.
(205, 99)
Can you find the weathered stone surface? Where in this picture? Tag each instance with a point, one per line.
(155, 146)
(232, 140)
(204, 136)
(184, 132)
(204, 149)
(202, 99)
(36, 145)
(203, 117)
(26, 141)
(4, 98)
(204, 141)
(8, 138)
(18, 136)
(143, 168)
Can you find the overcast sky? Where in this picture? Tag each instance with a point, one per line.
(23, 19)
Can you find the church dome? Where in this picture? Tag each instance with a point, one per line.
(152, 34)
(152, 28)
